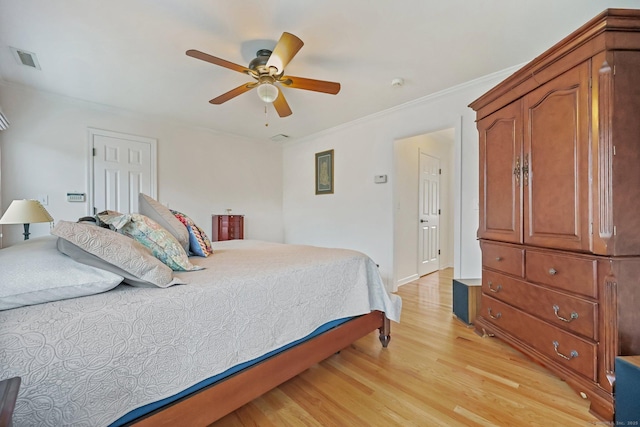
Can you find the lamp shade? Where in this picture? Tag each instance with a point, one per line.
(267, 92)
(25, 212)
(4, 122)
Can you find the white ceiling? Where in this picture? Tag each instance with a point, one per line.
(130, 54)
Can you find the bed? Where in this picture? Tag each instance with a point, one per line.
(240, 322)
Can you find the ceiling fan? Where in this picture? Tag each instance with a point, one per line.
(267, 68)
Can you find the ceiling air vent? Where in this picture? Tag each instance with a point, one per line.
(26, 58)
(279, 137)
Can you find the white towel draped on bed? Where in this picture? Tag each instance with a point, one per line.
(90, 360)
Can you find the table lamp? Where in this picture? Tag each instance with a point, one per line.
(25, 212)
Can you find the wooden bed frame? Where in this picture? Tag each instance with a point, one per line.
(217, 400)
(8, 395)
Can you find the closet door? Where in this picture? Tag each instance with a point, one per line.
(501, 174)
(556, 162)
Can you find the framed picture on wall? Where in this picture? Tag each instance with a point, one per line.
(324, 172)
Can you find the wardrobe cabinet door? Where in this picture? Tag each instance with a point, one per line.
(501, 174)
(556, 162)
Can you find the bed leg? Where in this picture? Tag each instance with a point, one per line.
(385, 332)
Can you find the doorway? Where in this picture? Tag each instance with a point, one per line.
(424, 196)
(428, 213)
(120, 167)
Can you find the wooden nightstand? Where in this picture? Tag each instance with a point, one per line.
(227, 227)
(466, 299)
(627, 390)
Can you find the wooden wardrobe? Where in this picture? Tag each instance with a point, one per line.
(560, 206)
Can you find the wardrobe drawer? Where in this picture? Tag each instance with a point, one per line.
(572, 313)
(574, 274)
(560, 346)
(508, 259)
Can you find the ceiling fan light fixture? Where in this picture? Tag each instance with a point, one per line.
(267, 69)
(267, 91)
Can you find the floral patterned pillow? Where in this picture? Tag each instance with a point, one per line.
(199, 243)
(150, 234)
(155, 210)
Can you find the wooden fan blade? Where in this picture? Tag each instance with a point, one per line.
(233, 93)
(281, 105)
(285, 50)
(217, 61)
(310, 84)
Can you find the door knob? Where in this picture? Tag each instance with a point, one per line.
(423, 220)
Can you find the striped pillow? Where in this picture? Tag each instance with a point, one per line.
(199, 243)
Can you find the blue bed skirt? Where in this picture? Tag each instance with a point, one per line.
(143, 410)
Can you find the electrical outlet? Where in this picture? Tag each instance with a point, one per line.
(43, 199)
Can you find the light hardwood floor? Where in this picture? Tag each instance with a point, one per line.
(435, 372)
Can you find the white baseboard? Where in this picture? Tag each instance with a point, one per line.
(406, 280)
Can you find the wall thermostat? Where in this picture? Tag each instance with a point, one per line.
(76, 197)
(380, 179)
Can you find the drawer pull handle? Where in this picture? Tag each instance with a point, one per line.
(572, 355)
(497, 288)
(573, 317)
(553, 271)
(496, 317)
(498, 258)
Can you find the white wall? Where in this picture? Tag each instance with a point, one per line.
(360, 213)
(200, 172)
(438, 144)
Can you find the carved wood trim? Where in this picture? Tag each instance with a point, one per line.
(578, 46)
(610, 320)
(605, 154)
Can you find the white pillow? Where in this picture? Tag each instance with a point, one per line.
(35, 272)
(109, 250)
(162, 215)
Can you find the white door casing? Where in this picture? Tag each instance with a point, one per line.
(120, 167)
(428, 215)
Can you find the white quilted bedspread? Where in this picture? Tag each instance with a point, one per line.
(88, 361)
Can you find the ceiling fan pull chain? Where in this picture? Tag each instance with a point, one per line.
(266, 119)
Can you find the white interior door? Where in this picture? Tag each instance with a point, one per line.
(428, 215)
(122, 166)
